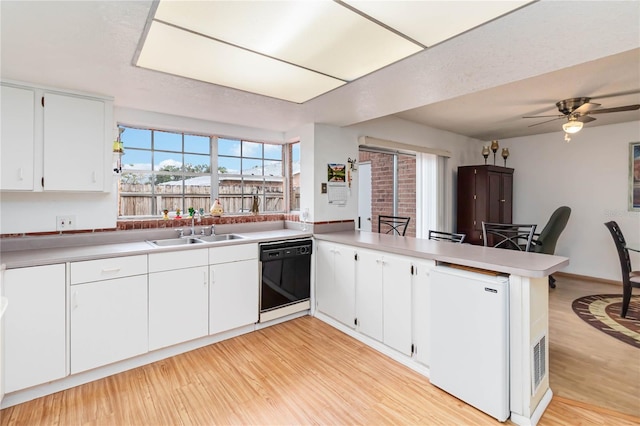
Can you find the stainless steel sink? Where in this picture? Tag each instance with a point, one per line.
(176, 241)
(221, 237)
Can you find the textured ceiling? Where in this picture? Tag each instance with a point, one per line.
(478, 84)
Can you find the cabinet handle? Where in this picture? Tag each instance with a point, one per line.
(213, 277)
(20, 177)
(204, 278)
(93, 176)
(109, 270)
(74, 301)
(502, 201)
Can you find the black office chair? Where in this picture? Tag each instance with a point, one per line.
(446, 236)
(630, 278)
(397, 224)
(508, 235)
(545, 241)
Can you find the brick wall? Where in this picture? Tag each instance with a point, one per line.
(382, 187)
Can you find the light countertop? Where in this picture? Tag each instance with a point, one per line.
(514, 262)
(52, 255)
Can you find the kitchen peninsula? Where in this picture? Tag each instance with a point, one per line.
(375, 287)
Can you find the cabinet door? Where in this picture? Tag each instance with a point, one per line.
(335, 282)
(74, 128)
(233, 295)
(108, 322)
(506, 198)
(421, 300)
(178, 306)
(17, 139)
(35, 332)
(396, 296)
(369, 293)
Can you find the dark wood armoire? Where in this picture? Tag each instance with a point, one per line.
(485, 193)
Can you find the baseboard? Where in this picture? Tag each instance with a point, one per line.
(587, 278)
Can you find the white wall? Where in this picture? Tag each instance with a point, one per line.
(590, 174)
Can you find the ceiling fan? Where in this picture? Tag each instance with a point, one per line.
(578, 111)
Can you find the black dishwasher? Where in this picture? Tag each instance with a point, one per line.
(285, 278)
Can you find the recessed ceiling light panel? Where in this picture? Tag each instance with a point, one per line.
(183, 53)
(320, 35)
(432, 22)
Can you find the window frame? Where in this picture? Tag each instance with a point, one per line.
(214, 157)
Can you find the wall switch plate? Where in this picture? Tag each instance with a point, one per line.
(323, 188)
(65, 223)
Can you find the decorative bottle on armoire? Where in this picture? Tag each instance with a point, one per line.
(485, 193)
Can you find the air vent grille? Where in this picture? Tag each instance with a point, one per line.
(539, 363)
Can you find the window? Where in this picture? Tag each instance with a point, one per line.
(247, 170)
(170, 171)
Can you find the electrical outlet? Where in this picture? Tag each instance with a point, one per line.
(65, 223)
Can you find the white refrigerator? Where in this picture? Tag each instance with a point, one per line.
(470, 338)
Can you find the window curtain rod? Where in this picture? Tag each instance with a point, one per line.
(368, 141)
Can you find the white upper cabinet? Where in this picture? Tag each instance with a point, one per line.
(17, 139)
(54, 140)
(74, 141)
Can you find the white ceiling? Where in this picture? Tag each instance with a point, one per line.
(477, 84)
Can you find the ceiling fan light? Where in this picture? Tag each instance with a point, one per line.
(572, 126)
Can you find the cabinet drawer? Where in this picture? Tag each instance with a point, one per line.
(232, 253)
(168, 261)
(106, 269)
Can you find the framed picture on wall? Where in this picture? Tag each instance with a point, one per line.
(634, 176)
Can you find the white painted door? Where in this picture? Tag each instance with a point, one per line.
(109, 321)
(74, 128)
(421, 301)
(364, 196)
(178, 306)
(335, 282)
(233, 295)
(369, 293)
(396, 296)
(34, 334)
(17, 140)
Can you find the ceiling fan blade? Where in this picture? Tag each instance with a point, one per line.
(616, 109)
(543, 116)
(547, 121)
(585, 119)
(588, 106)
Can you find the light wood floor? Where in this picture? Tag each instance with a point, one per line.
(585, 364)
(299, 372)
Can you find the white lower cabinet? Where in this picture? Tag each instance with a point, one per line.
(335, 282)
(108, 321)
(178, 297)
(178, 306)
(35, 326)
(420, 309)
(369, 293)
(109, 317)
(383, 298)
(396, 302)
(233, 287)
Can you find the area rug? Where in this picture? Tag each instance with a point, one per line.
(602, 311)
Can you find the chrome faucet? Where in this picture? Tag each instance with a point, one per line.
(193, 228)
(213, 229)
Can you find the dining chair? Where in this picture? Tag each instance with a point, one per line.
(446, 236)
(545, 242)
(630, 278)
(508, 235)
(397, 224)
